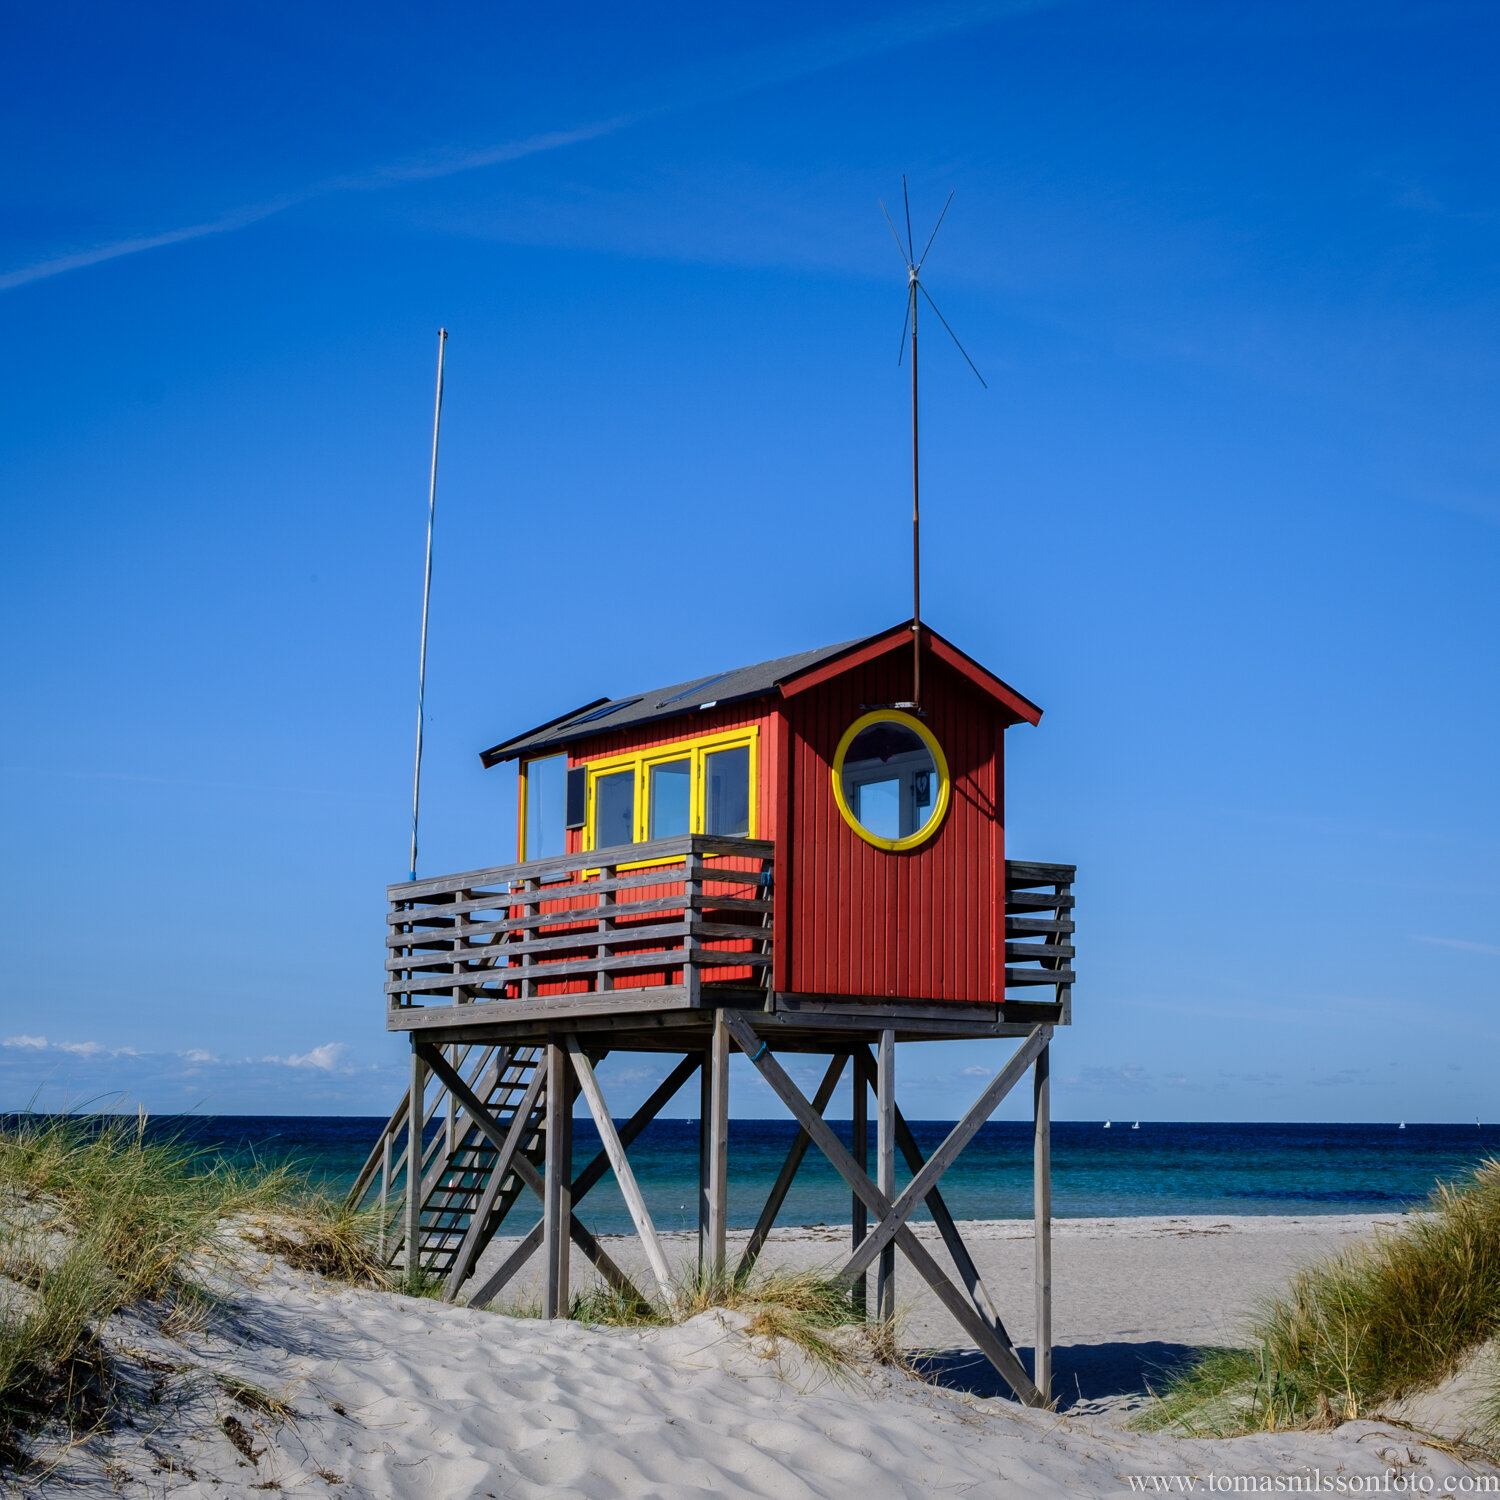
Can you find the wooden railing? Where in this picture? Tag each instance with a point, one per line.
(1039, 926)
(582, 924)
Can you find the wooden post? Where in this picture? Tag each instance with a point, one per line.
(1041, 1187)
(385, 1189)
(885, 1160)
(604, 951)
(455, 1054)
(557, 1196)
(416, 1115)
(528, 933)
(705, 1162)
(718, 1147)
(692, 892)
(859, 1215)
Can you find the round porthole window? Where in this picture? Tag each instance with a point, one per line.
(890, 779)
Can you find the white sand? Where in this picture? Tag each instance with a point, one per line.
(395, 1396)
(1130, 1296)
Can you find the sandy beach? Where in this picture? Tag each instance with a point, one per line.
(1130, 1295)
(388, 1395)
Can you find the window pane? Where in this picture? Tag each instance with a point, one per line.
(546, 783)
(727, 796)
(614, 809)
(671, 787)
(877, 805)
(890, 780)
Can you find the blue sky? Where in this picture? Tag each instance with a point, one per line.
(1229, 510)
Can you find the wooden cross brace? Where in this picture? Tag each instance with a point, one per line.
(507, 1142)
(891, 1217)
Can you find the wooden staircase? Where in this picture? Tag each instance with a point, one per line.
(458, 1162)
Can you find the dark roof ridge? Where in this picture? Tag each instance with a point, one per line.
(736, 685)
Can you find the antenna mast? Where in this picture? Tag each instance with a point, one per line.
(913, 287)
(416, 775)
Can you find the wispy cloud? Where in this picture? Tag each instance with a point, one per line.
(746, 73)
(1462, 943)
(75, 1049)
(326, 1058)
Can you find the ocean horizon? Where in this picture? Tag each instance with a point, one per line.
(1160, 1168)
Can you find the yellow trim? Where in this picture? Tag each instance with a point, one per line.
(695, 751)
(525, 767)
(940, 808)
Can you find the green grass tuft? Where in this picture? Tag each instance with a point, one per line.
(809, 1309)
(93, 1217)
(1393, 1314)
(317, 1233)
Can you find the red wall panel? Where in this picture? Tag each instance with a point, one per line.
(926, 924)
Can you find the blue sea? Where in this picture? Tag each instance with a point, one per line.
(1160, 1168)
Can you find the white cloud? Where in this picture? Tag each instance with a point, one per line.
(1467, 947)
(327, 1057)
(760, 68)
(76, 1049)
(197, 1055)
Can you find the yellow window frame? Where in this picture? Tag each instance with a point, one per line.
(522, 815)
(696, 751)
(945, 785)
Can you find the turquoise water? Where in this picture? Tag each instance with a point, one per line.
(1171, 1168)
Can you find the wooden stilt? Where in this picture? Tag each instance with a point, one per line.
(718, 1147)
(1041, 1186)
(885, 1157)
(455, 1057)
(415, 1115)
(859, 1215)
(557, 1208)
(705, 1162)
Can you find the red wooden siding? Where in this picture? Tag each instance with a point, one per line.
(855, 920)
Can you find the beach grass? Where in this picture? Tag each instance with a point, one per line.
(96, 1214)
(1393, 1314)
(314, 1232)
(808, 1308)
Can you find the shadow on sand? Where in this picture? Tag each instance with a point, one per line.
(1082, 1374)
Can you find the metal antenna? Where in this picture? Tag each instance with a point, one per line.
(913, 286)
(416, 775)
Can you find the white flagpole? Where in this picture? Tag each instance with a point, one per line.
(416, 775)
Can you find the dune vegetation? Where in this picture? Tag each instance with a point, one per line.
(1390, 1316)
(808, 1308)
(97, 1215)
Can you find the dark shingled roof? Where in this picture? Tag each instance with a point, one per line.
(663, 703)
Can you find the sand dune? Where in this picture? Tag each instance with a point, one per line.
(403, 1397)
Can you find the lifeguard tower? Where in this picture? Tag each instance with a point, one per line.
(803, 856)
